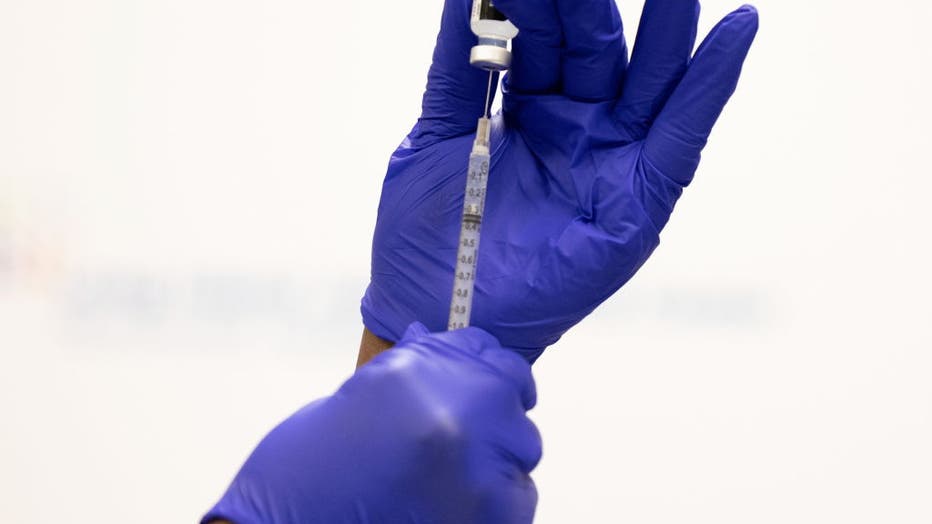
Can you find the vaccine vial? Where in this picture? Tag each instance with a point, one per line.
(495, 33)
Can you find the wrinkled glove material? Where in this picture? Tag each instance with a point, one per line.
(590, 155)
(434, 431)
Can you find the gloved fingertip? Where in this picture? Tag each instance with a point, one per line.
(747, 16)
(485, 339)
(516, 370)
(471, 340)
(415, 330)
(746, 9)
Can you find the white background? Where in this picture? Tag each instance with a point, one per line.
(187, 196)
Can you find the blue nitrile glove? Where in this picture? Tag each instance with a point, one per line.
(589, 157)
(433, 431)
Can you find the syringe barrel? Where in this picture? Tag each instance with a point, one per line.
(467, 252)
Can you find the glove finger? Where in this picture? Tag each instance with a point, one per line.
(455, 93)
(511, 500)
(471, 340)
(536, 64)
(595, 54)
(414, 331)
(523, 444)
(674, 143)
(516, 370)
(666, 36)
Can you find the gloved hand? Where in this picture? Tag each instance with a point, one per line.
(589, 157)
(434, 431)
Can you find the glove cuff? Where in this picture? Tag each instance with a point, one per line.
(385, 328)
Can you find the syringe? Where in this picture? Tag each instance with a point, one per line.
(467, 253)
(494, 32)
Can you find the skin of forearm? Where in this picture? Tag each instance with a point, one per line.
(370, 346)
